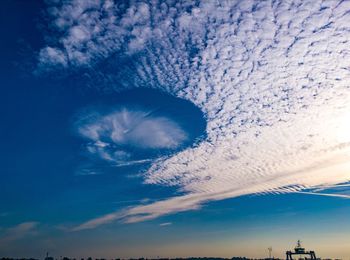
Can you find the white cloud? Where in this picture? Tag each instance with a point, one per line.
(19, 231)
(336, 195)
(131, 162)
(52, 57)
(165, 224)
(87, 172)
(98, 221)
(270, 76)
(112, 133)
(4, 214)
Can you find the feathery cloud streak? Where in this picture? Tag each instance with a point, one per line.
(19, 231)
(110, 135)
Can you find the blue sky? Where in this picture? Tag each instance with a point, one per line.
(170, 129)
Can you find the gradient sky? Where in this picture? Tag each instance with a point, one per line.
(174, 129)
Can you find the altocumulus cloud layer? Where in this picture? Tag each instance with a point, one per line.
(270, 76)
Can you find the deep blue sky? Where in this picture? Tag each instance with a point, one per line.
(54, 177)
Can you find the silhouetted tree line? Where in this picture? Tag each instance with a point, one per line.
(188, 258)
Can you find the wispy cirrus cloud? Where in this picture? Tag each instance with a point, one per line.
(165, 224)
(270, 76)
(19, 231)
(336, 191)
(136, 128)
(4, 214)
(336, 195)
(111, 135)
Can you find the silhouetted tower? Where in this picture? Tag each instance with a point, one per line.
(270, 251)
(48, 257)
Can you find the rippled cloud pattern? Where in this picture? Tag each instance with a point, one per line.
(271, 77)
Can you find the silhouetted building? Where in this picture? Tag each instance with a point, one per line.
(299, 250)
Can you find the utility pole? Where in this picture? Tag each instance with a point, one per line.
(270, 251)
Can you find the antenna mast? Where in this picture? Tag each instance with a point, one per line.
(270, 251)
